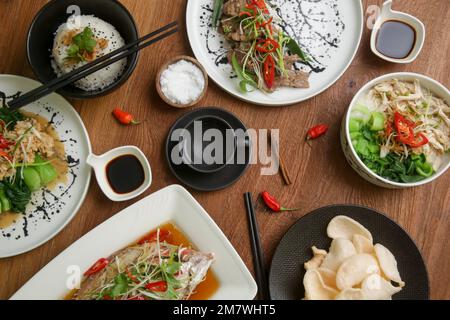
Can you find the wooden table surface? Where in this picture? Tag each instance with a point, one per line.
(320, 174)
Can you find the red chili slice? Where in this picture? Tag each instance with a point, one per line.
(419, 140)
(261, 4)
(267, 45)
(269, 71)
(404, 130)
(98, 266)
(160, 286)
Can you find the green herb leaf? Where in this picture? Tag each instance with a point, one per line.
(120, 285)
(10, 118)
(81, 43)
(18, 193)
(294, 48)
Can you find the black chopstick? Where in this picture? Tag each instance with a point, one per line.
(92, 67)
(258, 256)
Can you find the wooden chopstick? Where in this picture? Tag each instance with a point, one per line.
(92, 67)
(258, 256)
(283, 169)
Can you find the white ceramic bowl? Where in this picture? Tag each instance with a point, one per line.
(435, 87)
(388, 14)
(99, 164)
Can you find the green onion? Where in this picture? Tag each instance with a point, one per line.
(245, 81)
(217, 13)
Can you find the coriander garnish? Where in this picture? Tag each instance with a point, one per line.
(83, 43)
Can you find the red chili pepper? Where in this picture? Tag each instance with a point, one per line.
(250, 11)
(262, 25)
(273, 204)
(98, 266)
(404, 130)
(419, 140)
(245, 13)
(269, 71)
(124, 117)
(131, 276)
(261, 4)
(152, 237)
(160, 286)
(317, 131)
(3, 154)
(267, 46)
(4, 143)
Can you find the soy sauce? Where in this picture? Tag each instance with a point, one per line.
(396, 39)
(125, 174)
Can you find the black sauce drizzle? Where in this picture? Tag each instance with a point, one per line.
(47, 203)
(300, 23)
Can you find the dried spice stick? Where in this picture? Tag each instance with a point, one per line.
(283, 169)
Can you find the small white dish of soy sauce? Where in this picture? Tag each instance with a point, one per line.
(397, 37)
(123, 173)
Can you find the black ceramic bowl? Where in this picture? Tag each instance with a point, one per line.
(42, 32)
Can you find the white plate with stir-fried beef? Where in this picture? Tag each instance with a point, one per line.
(274, 52)
(43, 172)
(165, 247)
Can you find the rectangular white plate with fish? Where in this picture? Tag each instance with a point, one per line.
(169, 205)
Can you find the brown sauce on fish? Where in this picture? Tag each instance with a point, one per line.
(210, 285)
(205, 289)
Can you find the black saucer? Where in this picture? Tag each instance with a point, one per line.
(207, 181)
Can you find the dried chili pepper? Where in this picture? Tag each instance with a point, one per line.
(317, 131)
(273, 204)
(124, 117)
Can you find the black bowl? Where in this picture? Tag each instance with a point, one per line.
(42, 32)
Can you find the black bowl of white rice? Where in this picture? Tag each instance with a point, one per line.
(67, 34)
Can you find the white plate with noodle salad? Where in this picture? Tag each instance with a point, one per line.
(44, 177)
(396, 133)
(274, 52)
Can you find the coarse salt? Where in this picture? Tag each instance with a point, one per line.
(182, 82)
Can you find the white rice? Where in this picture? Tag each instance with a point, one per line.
(101, 29)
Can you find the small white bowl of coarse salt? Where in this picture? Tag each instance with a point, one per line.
(182, 82)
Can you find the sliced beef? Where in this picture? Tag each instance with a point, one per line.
(290, 60)
(232, 32)
(233, 7)
(294, 79)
